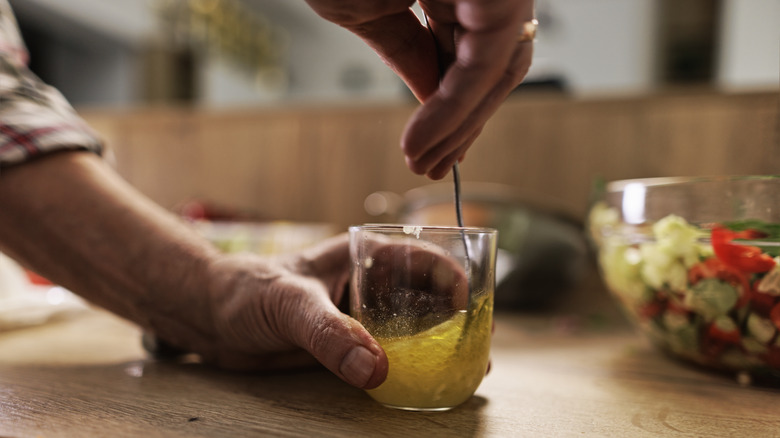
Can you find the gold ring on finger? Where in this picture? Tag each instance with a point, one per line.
(527, 31)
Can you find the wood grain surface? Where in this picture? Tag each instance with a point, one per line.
(576, 371)
(312, 163)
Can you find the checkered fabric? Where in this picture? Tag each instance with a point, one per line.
(35, 118)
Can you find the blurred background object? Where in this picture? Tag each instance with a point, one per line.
(264, 238)
(692, 263)
(236, 230)
(688, 36)
(28, 300)
(257, 117)
(318, 163)
(256, 52)
(542, 254)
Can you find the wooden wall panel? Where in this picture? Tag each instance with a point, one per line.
(249, 162)
(319, 163)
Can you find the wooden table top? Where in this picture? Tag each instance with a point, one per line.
(570, 373)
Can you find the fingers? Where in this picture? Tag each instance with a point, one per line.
(269, 315)
(444, 30)
(438, 129)
(489, 63)
(438, 281)
(314, 323)
(337, 341)
(392, 29)
(354, 12)
(406, 46)
(331, 254)
(442, 166)
(329, 261)
(408, 279)
(435, 164)
(475, 46)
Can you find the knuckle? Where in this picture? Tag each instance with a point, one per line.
(418, 167)
(411, 150)
(436, 176)
(324, 331)
(519, 74)
(440, 171)
(521, 64)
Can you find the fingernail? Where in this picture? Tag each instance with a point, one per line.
(358, 365)
(414, 167)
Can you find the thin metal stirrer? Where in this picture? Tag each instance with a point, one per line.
(459, 215)
(458, 207)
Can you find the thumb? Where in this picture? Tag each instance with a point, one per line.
(337, 341)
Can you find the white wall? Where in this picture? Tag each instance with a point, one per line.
(98, 77)
(128, 20)
(320, 58)
(598, 46)
(321, 54)
(749, 45)
(89, 59)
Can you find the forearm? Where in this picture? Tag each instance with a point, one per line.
(72, 219)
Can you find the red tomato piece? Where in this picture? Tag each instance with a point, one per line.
(651, 310)
(727, 336)
(743, 257)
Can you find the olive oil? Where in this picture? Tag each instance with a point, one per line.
(441, 367)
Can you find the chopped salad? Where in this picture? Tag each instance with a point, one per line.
(710, 294)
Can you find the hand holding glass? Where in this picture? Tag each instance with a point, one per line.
(426, 295)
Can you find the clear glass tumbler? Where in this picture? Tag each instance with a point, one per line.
(426, 295)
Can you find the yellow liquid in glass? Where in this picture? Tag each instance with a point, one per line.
(441, 367)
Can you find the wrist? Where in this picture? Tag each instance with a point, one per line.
(177, 307)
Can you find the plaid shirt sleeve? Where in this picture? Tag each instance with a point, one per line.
(35, 118)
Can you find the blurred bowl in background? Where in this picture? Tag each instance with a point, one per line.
(264, 238)
(693, 262)
(542, 250)
(233, 229)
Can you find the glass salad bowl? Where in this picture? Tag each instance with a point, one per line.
(694, 264)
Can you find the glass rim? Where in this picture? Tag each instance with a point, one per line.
(620, 185)
(415, 228)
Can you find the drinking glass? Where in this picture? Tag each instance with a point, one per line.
(425, 293)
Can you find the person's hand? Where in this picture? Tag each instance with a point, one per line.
(477, 45)
(407, 278)
(274, 313)
(281, 312)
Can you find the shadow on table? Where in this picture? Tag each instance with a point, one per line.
(317, 403)
(195, 400)
(648, 361)
(661, 394)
